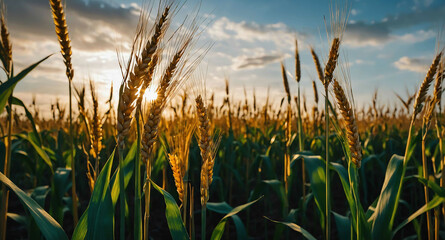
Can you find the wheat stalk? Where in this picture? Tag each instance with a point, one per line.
(61, 29)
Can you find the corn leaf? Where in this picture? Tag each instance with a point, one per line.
(47, 225)
(296, 228)
(173, 215)
(7, 87)
(385, 210)
(222, 208)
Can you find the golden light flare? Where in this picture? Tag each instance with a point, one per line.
(150, 94)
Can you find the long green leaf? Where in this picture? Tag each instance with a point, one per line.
(7, 87)
(86, 228)
(128, 173)
(388, 201)
(219, 229)
(315, 167)
(60, 184)
(296, 228)
(343, 226)
(47, 225)
(33, 141)
(99, 226)
(173, 215)
(436, 201)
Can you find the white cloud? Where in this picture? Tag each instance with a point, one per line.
(364, 37)
(278, 33)
(419, 65)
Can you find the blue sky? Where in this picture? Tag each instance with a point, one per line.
(388, 44)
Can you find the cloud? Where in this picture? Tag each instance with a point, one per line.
(419, 65)
(245, 62)
(278, 33)
(360, 33)
(92, 25)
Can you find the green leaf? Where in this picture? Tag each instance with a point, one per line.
(47, 225)
(173, 215)
(388, 201)
(436, 201)
(100, 226)
(278, 187)
(128, 173)
(434, 186)
(343, 226)
(296, 228)
(315, 167)
(82, 227)
(222, 208)
(60, 184)
(7, 87)
(89, 224)
(20, 103)
(32, 140)
(354, 206)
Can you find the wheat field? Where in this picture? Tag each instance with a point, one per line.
(166, 159)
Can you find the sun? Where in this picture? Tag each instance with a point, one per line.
(150, 94)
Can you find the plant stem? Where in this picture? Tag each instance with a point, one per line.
(73, 165)
(425, 175)
(288, 137)
(301, 145)
(147, 199)
(122, 194)
(6, 169)
(436, 224)
(328, 205)
(192, 221)
(203, 221)
(137, 182)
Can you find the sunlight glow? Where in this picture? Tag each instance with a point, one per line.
(150, 94)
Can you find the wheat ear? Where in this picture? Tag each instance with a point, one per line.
(6, 47)
(423, 90)
(332, 62)
(175, 164)
(351, 125)
(141, 75)
(317, 65)
(62, 35)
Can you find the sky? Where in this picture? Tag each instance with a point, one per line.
(388, 45)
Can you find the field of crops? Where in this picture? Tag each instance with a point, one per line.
(170, 162)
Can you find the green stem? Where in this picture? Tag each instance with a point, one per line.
(137, 183)
(73, 165)
(122, 194)
(425, 188)
(301, 145)
(353, 181)
(147, 200)
(328, 184)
